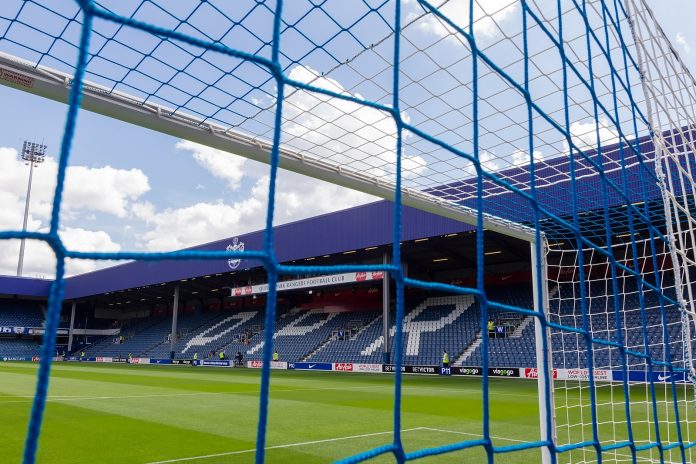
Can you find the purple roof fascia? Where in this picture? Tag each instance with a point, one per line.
(351, 229)
(24, 286)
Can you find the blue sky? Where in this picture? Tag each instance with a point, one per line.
(676, 19)
(134, 189)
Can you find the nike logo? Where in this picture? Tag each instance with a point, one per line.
(312, 365)
(663, 377)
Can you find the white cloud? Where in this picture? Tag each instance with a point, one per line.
(343, 132)
(681, 40)
(493, 163)
(220, 164)
(87, 190)
(143, 210)
(489, 162)
(104, 189)
(521, 158)
(488, 15)
(79, 239)
(12, 208)
(297, 197)
(584, 134)
(39, 259)
(176, 228)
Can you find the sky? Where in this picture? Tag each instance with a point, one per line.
(133, 189)
(675, 17)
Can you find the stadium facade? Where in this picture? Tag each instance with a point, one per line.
(221, 302)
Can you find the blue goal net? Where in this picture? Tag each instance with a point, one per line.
(566, 124)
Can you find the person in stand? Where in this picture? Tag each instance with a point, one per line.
(239, 358)
(130, 357)
(491, 328)
(445, 359)
(82, 355)
(275, 356)
(500, 330)
(222, 355)
(195, 358)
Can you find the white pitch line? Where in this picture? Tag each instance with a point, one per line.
(639, 458)
(289, 445)
(457, 432)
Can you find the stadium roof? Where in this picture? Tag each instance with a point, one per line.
(634, 175)
(359, 227)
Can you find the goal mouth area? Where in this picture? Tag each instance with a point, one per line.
(522, 121)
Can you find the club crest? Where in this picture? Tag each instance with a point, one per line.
(236, 245)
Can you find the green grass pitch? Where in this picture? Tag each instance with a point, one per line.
(147, 414)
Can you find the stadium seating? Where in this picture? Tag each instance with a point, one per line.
(21, 314)
(439, 323)
(19, 348)
(139, 337)
(451, 323)
(570, 349)
(347, 349)
(517, 350)
(226, 332)
(187, 327)
(308, 335)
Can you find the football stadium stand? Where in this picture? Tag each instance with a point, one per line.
(435, 324)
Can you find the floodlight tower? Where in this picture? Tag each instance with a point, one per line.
(33, 154)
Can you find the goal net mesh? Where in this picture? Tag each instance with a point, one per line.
(565, 122)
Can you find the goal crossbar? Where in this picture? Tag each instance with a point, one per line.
(55, 85)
